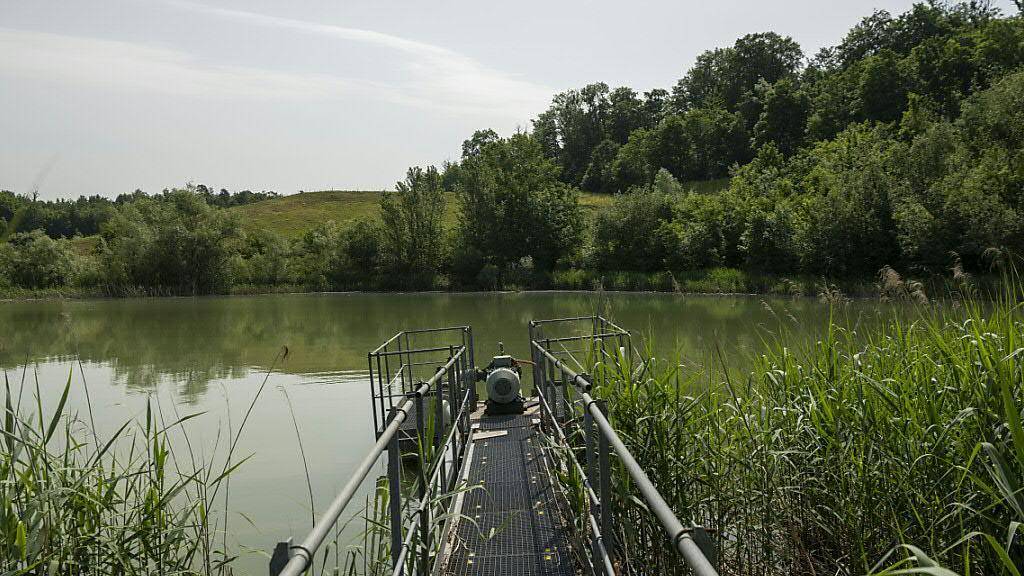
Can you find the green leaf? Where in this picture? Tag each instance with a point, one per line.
(60, 410)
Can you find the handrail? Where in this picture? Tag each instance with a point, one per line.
(304, 552)
(591, 495)
(418, 331)
(424, 504)
(680, 536)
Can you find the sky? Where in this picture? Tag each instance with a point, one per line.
(109, 97)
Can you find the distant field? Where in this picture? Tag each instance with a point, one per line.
(292, 215)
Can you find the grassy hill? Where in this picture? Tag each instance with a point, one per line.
(292, 215)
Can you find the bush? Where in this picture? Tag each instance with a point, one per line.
(177, 244)
(635, 233)
(360, 253)
(33, 260)
(262, 259)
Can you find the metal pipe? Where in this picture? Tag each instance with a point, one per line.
(598, 543)
(394, 499)
(678, 535)
(386, 342)
(373, 401)
(418, 331)
(583, 337)
(414, 351)
(604, 486)
(568, 319)
(434, 330)
(422, 490)
(432, 482)
(321, 529)
(614, 325)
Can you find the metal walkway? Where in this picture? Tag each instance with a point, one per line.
(516, 495)
(508, 519)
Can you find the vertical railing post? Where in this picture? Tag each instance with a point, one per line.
(550, 381)
(422, 443)
(569, 410)
(395, 497)
(439, 427)
(588, 436)
(466, 379)
(453, 407)
(604, 485)
(373, 396)
(538, 373)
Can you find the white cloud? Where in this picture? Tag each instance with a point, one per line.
(429, 77)
(434, 76)
(126, 66)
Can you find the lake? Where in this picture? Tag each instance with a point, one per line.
(211, 355)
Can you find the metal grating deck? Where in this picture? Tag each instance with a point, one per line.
(510, 524)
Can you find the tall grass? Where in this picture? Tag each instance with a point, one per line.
(71, 503)
(885, 449)
(136, 502)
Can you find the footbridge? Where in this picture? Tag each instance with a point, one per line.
(493, 481)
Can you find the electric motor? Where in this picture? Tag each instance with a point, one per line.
(502, 385)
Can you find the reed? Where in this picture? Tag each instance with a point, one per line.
(136, 502)
(71, 503)
(895, 448)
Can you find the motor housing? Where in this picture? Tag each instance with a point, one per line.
(503, 379)
(502, 385)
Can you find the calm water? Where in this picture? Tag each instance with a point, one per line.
(210, 355)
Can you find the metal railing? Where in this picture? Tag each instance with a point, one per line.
(398, 365)
(399, 399)
(551, 372)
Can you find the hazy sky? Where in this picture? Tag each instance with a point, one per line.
(107, 97)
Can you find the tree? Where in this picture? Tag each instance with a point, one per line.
(783, 119)
(672, 148)
(722, 77)
(34, 260)
(619, 243)
(412, 231)
(177, 243)
(847, 226)
(718, 139)
(262, 259)
(654, 107)
(576, 121)
(625, 114)
(600, 176)
(513, 206)
(477, 141)
(704, 85)
(357, 261)
(632, 165)
(700, 144)
(870, 36)
(882, 89)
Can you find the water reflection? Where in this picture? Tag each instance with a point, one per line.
(192, 341)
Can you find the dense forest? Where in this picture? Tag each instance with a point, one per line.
(902, 147)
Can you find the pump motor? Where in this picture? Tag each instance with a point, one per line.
(503, 386)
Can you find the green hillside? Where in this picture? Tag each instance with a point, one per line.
(292, 215)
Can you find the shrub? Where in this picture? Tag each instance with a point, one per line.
(33, 260)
